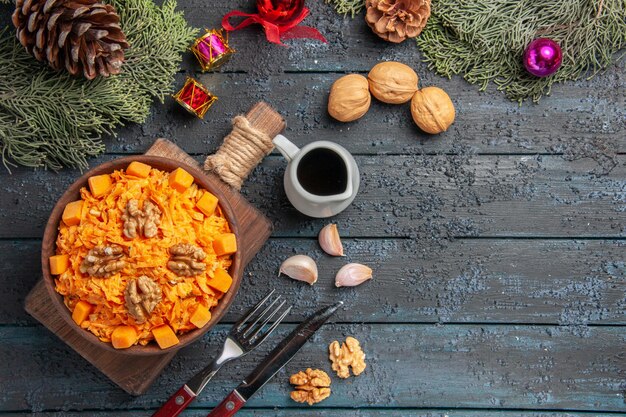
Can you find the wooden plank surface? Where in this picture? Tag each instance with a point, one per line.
(419, 196)
(483, 124)
(344, 412)
(488, 281)
(429, 366)
(498, 247)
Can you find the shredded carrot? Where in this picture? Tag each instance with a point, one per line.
(102, 224)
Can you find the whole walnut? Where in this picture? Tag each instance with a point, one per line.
(392, 82)
(432, 110)
(349, 98)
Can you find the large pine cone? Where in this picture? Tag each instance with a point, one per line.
(84, 36)
(396, 20)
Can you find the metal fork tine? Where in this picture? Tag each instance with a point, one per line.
(260, 316)
(273, 326)
(267, 320)
(252, 311)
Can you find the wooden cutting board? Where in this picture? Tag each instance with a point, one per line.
(135, 374)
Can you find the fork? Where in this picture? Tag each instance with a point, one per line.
(244, 336)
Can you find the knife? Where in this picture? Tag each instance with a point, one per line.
(274, 362)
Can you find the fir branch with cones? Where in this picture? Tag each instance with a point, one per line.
(52, 119)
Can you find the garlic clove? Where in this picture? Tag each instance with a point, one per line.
(353, 274)
(330, 241)
(300, 267)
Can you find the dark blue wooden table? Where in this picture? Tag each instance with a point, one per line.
(498, 248)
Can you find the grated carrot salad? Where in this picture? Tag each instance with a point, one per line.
(101, 224)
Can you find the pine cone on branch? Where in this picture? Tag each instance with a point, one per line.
(397, 20)
(84, 36)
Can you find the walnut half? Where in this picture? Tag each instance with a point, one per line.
(142, 296)
(311, 386)
(144, 222)
(346, 355)
(103, 261)
(186, 260)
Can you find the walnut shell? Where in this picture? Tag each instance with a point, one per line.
(432, 110)
(349, 98)
(392, 82)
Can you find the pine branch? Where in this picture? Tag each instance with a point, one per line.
(344, 7)
(158, 37)
(483, 40)
(50, 119)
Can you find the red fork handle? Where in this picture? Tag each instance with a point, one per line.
(177, 403)
(229, 407)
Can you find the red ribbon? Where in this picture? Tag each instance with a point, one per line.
(273, 32)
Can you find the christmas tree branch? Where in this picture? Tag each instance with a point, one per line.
(484, 40)
(50, 119)
(344, 7)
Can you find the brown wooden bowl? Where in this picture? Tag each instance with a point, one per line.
(73, 193)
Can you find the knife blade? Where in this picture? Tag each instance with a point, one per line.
(274, 362)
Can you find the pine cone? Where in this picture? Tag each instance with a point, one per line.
(396, 20)
(82, 35)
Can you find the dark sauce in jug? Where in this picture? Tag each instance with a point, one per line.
(323, 172)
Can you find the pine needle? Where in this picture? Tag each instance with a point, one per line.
(50, 119)
(344, 7)
(484, 40)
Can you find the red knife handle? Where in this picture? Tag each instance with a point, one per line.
(229, 407)
(177, 403)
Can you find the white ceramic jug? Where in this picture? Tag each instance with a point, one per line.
(301, 188)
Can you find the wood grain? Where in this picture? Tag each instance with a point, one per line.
(582, 117)
(134, 374)
(505, 178)
(427, 366)
(425, 197)
(429, 198)
(320, 411)
(264, 118)
(572, 283)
